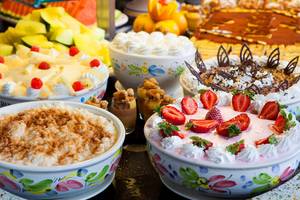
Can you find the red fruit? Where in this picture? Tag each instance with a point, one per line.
(44, 65)
(270, 111)
(36, 83)
(1, 59)
(35, 49)
(229, 129)
(243, 119)
(77, 86)
(201, 125)
(167, 130)
(280, 124)
(268, 140)
(200, 142)
(173, 115)
(0, 76)
(181, 135)
(95, 63)
(73, 51)
(214, 114)
(208, 99)
(189, 105)
(241, 102)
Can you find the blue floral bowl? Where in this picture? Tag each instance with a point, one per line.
(61, 182)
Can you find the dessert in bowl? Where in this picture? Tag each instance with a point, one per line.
(36, 73)
(136, 56)
(205, 145)
(53, 149)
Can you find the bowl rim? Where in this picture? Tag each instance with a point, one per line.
(209, 164)
(152, 57)
(97, 159)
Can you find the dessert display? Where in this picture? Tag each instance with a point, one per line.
(123, 105)
(192, 14)
(151, 97)
(94, 101)
(38, 73)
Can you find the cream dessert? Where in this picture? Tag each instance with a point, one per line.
(54, 135)
(202, 130)
(44, 74)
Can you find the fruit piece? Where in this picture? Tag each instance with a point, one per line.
(241, 102)
(268, 140)
(270, 110)
(200, 142)
(73, 51)
(215, 114)
(37, 40)
(243, 119)
(208, 98)
(44, 65)
(1, 76)
(29, 27)
(167, 130)
(201, 125)
(189, 105)
(6, 49)
(63, 36)
(237, 147)
(229, 129)
(60, 47)
(36, 83)
(52, 17)
(161, 10)
(77, 86)
(143, 22)
(172, 115)
(95, 63)
(35, 49)
(167, 26)
(1, 59)
(181, 21)
(283, 122)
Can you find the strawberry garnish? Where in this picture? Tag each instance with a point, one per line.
(95, 63)
(73, 51)
(201, 125)
(237, 147)
(36, 83)
(200, 142)
(270, 110)
(208, 98)
(243, 119)
(283, 122)
(44, 65)
(77, 86)
(1, 60)
(189, 105)
(229, 129)
(241, 100)
(172, 115)
(168, 130)
(35, 49)
(268, 140)
(214, 114)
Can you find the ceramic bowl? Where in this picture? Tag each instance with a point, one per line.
(193, 180)
(62, 182)
(132, 69)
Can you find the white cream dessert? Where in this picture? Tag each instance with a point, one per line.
(47, 73)
(154, 44)
(54, 135)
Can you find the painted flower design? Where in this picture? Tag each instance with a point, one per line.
(65, 186)
(156, 162)
(155, 70)
(6, 183)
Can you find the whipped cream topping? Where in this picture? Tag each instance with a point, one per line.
(248, 154)
(155, 44)
(192, 151)
(171, 142)
(8, 88)
(218, 155)
(33, 93)
(267, 150)
(61, 90)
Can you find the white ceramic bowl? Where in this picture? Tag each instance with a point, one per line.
(132, 69)
(61, 182)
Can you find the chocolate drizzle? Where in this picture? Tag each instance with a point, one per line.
(289, 69)
(223, 58)
(296, 79)
(284, 85)
(254, 89)
(225, 74)
(273, 59)
(217, 87)
(245, 53)
(199, 62)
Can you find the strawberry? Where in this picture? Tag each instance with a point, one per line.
(237, 147)
(189, 105)
(200, 142)
(73, 51)
(77, 86)
(268, 140)
(229, 129)
(243, 119)
(167, 130)
(1, 60)
(201, 125)
(283, 122)
(36, 83)
(35, 49)
(241, 101)
(172, 115)
(208, 98)
(215, 114)
(270, 111)
(44, 65)
(95, 63)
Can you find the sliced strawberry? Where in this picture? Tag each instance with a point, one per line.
(200, 142)
(235, 148)
(181, 135)
(73, 51)
(167, 130)
(215, 114)
(270, 110)
(280, 124)
(201, 125)
(1, 60)
(35, 49)
(268, 140)
(241, 102)
(229, 129)
(243, 119)
(189, 105)
(208, 98)
(172, 115)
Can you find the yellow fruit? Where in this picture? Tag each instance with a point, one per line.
(143, 22)
(161, 11)
(167, 26)
(181, 21)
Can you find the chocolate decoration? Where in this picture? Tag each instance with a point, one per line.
(225, 74)
(245, 53)
(284, 85)
(296, 79)
(217, 87)
(289, 69)
(229, 50)
(193, 71)
(254, 89)
(222, 56)
(199, 62)
(273, 59)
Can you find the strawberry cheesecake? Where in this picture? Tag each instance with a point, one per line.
(209, 129)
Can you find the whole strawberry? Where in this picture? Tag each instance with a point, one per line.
(214, 114)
